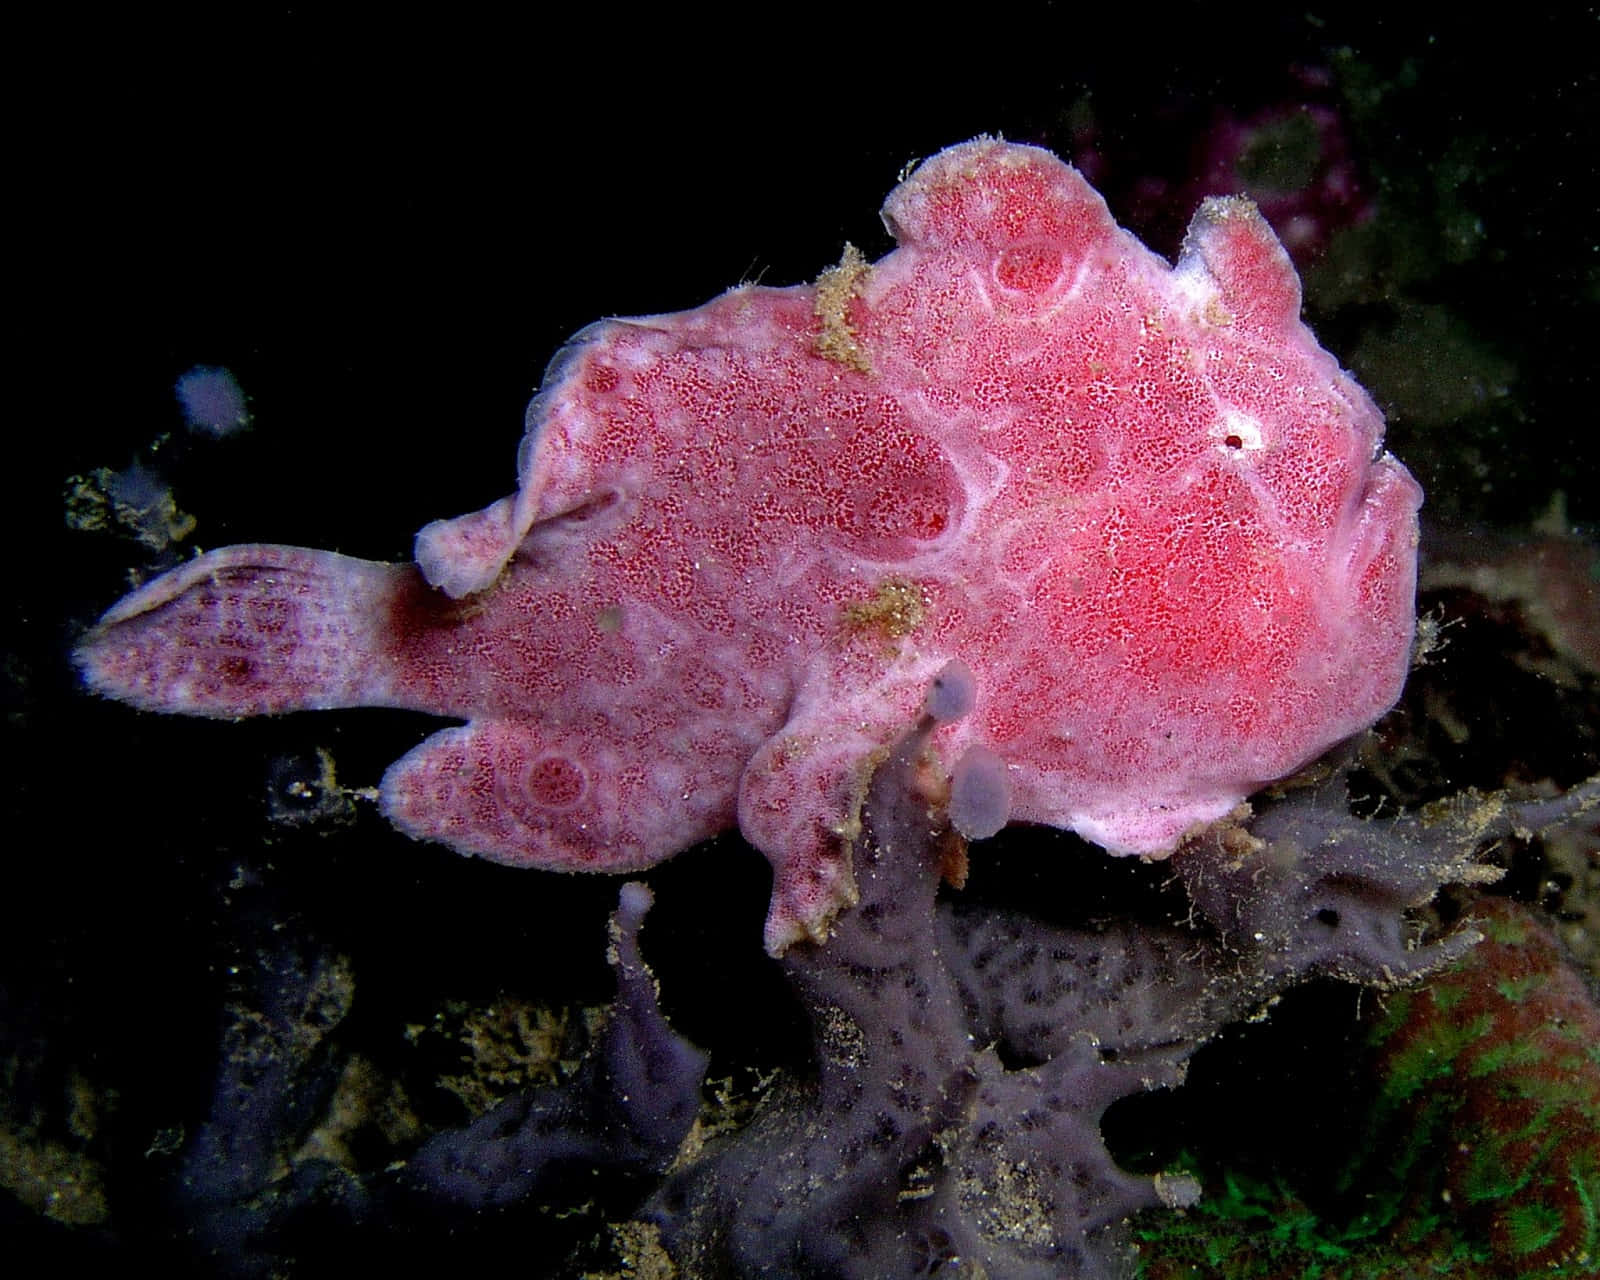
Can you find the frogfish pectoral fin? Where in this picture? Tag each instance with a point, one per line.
(464, 555)
(522, 794)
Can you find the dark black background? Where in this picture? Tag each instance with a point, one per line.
(385, 227)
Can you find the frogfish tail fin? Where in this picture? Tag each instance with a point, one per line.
(249, 630)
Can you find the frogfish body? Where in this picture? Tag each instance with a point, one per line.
(1137, 501)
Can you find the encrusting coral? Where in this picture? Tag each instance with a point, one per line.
(1487, 1120)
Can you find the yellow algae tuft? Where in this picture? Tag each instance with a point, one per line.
(835, 288)
(896, 609)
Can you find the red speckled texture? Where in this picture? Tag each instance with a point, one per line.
(1140, 502)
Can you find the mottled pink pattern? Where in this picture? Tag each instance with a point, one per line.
(1140, 503)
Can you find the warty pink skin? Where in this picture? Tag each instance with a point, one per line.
(1138, 501)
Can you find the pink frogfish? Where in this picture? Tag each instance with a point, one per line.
(1135, 505)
